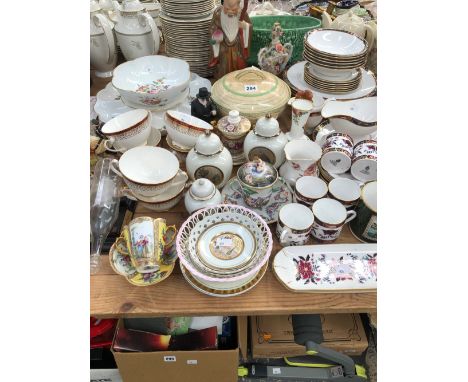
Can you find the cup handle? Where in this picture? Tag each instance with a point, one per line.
(284, 233)
(120, 240)
(128, 193)
(114, 166)
(170, 228)
(351, 215)
(108, 146)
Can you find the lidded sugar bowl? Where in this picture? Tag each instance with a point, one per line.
(201, 194)
(233, 128)
(266, 142)
(209, 159)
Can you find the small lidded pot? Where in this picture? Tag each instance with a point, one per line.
(256, 179)
(201, 194)
(266, 142)
(233, 128)
(209, 159)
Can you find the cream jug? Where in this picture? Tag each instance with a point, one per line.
(136, 30)
(301, 160)
(103, 48)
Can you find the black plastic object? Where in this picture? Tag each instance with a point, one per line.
(307, 327)
(126, 210)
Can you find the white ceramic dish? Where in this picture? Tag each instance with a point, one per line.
(330, 75)
(184, 129)
(295, 76)
(327, 268)
(142, 171)
(226, 246)
(198, 222)
(336, 42)
(152, 81)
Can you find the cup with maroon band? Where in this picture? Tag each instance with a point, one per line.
(346, 191)
(329, 218)
(337, 153)
(309, 189)
(364, 163)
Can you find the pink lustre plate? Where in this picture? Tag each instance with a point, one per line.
(327, 268)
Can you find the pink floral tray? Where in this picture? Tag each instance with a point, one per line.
(327, 268)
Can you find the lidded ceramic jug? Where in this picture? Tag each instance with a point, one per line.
(103, 45)
(209, 159)
(203, 193)
(136, 30)
(266, 142)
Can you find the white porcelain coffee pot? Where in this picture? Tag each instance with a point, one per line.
(103, 45)
(136, 30)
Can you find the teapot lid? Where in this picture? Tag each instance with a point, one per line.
(202, 189)
(234, 125)
(267, 127)
(94, 6)
(131, 6)
(257, 173)
(208, 144)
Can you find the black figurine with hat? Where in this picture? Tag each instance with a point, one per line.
(202, 106)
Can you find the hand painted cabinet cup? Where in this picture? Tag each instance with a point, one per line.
(330, 217)
(103, 45)
(136, 31)
(364, 227)
(256, 179)
(210, 159)
(294, 224)
(144, 241)
(337, 153)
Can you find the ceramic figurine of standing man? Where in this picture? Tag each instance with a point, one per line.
(202, 106)
(231, 32)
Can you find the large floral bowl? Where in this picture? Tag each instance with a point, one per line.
(251, 229)
(152, 82)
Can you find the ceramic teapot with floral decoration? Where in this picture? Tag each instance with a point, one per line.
(350, 22)
(136, 30)
(275, 57)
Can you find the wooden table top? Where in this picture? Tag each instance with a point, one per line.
(112, 296)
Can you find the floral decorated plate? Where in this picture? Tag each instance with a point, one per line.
(327, 268)
(122, 265)
(281, 194)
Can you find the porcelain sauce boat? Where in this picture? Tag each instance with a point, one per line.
(301, 160)
(357, 118)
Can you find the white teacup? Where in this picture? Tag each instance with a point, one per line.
(330, 217)
(147, 170)
(309, 189)
(346, 191)
(294, 224)
(127, 130)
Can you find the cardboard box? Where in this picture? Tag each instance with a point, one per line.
(272, 336)
(183, 366)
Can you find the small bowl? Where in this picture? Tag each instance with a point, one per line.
(152, 82)
(184, 129)
(142, 171)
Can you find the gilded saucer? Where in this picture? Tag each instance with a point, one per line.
(281, 195)
(122, 265)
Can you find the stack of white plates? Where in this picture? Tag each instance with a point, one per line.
(194, 9)
(333, 60)
(186, 30)
(224, 250)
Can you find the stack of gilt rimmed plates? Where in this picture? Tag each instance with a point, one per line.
(334, 59)
(224, 250)
(186, 30)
